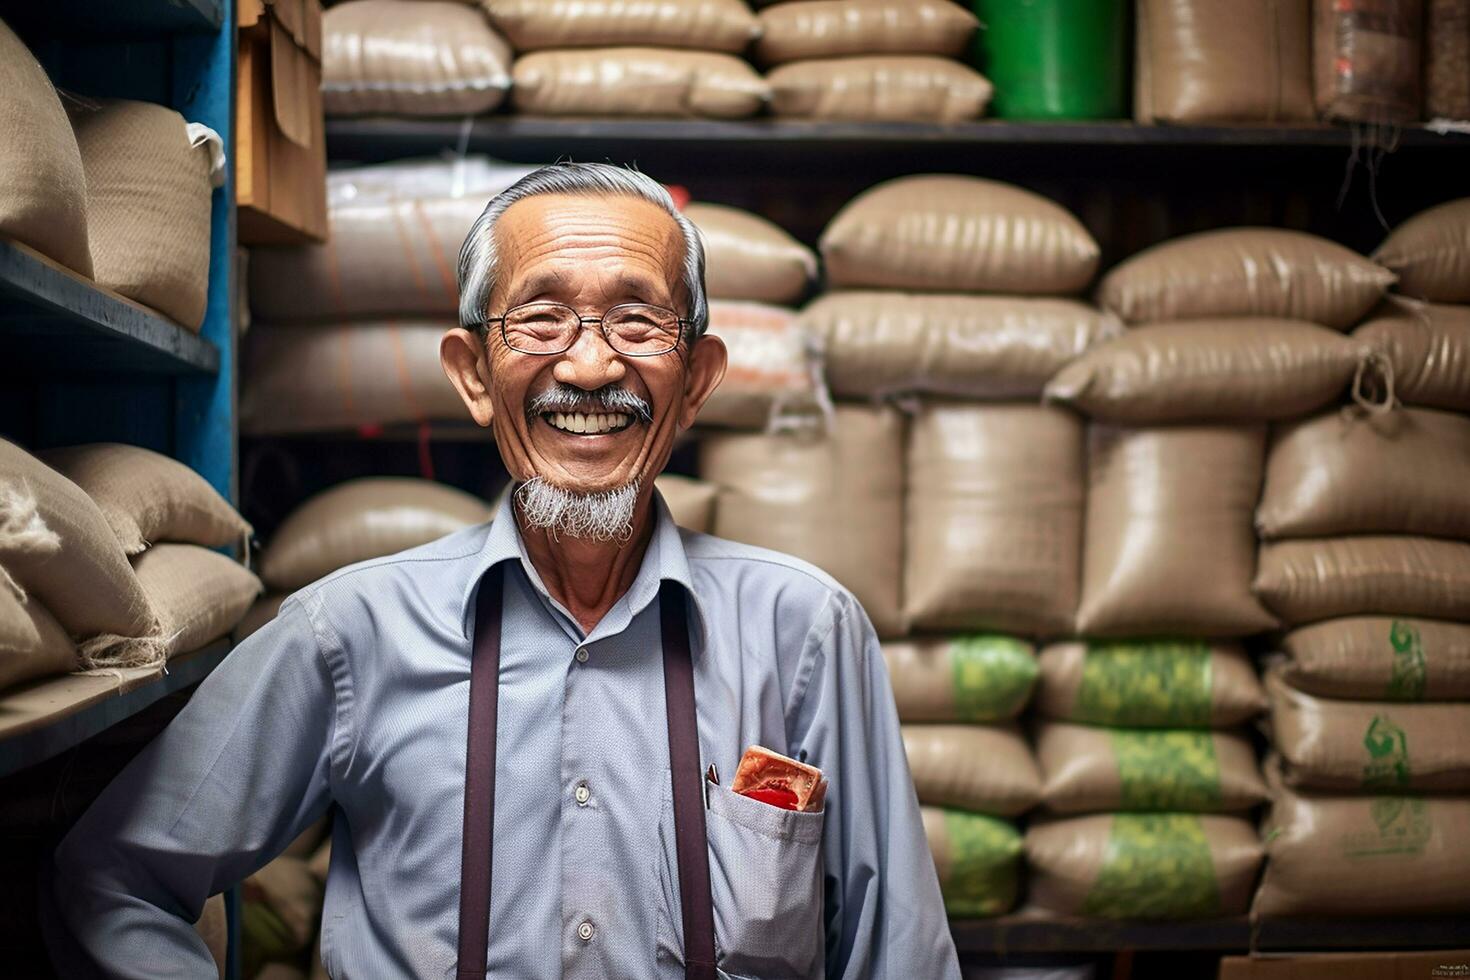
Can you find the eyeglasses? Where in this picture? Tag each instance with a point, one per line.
(632, 329)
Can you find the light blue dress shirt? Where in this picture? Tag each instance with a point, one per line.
(356, 696)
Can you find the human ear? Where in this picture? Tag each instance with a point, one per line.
(466, 363)
(707, 361)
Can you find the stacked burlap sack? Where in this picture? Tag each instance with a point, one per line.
(1367, 561)
(871, 60)
(114, 190)
(657, 58)
(281, 907)
(958, 698)
(106, 561)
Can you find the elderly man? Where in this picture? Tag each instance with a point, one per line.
(528, 730)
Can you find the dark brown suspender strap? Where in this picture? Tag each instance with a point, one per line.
(479, 791)
(688, 784)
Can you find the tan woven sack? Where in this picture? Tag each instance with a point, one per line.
(199, 594)
(1430, 253)
(1225, 370)
(1267, 272)
(1149, 684)
(977, 859)
(430, 59)
(637, 82)
(993, 518)
(1323, 578)
(1380, 658)
(880, 88)
(1366, 60)
(833, 28)
(363, 519)
(1447, 59)
(691, 502)
(1408, 472)
(941, 232)
(713, 25)
(878, 343)
(972, 678)
(1169, 549)
(1204, 61)
(1085, 769)
(147, 497)
(1142, 865)
(771, 372)
(836, 502)
(149, 185)
(747, 257)
(1364, 855)
(344, 376)
(32, 642)
(57, 547)
(1369, 746)
(262, 611)
(43, 193)
(982, 768)
(1428, 350)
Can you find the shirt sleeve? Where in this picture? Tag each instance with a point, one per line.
(238, 774)
(884, 914)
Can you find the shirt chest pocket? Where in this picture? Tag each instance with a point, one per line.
(765, 868)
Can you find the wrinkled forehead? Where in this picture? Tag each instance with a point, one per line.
(561, 235)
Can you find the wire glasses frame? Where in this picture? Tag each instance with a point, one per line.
(630, 329)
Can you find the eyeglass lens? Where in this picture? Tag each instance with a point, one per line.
(550, 328)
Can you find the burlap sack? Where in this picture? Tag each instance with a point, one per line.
(833, 28)
(981, 768)
(772, 371)
(1364, 855)
(1447, 59)
(1430, 253)
(993, 518)
(344, 376)
(878, 343)
(56, 546)
(1369, 746)
(879, 88)
(1407, 470)
(32, 642)
(262, 611)
(1365, 59)
(1169, 548)
(747, 257)
(363, 519)
(959, 234)
(836, 502)
(1380, 658)
(691, 502)
(147, 497)
(43, 193)
(1142, 865)
(713, 25)
(977, 858)
(976, 678)
(1089, 770)
(637, 82)
(1269, 272)
(282, 905)
(199, 594)
(1323, 578)
(1428, 349)
(149, 185)
(1149, 684)
(213, 927)
(431, 59)
(1204, 61)
(1226, 370)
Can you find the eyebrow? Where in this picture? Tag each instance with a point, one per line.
(637, 287)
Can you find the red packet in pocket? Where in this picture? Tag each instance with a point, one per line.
(773, 778)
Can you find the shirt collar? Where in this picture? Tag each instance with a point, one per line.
(664, 560)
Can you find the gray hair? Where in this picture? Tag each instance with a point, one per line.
(478, 260)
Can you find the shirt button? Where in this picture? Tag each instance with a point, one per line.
(585, 931)
(583, 793)
(582, 655)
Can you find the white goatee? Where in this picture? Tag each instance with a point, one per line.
(606, 515)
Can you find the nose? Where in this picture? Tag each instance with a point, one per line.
(590, 363)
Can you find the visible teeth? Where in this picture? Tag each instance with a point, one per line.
(590, 424)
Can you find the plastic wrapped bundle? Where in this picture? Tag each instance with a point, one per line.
(880, 88)
(637, 82)
(772, 380)
(1365, 59)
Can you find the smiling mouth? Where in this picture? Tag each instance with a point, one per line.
(588, 423)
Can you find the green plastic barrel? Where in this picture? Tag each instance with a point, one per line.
(1054, 59)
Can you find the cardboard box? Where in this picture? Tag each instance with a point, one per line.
(280, 136)
(1416, 965)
